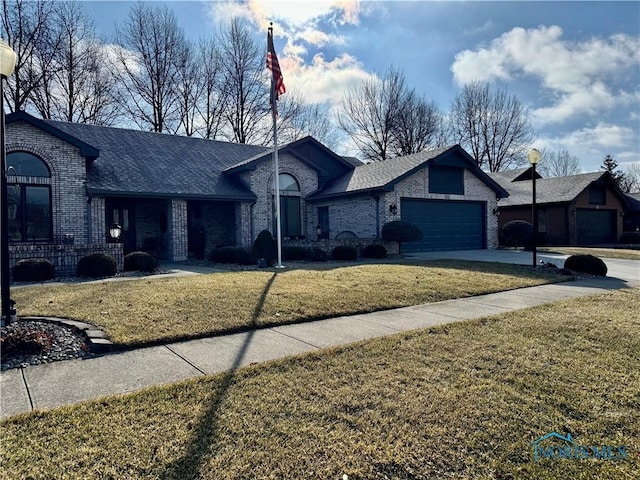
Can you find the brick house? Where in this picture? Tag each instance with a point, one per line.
(181, 196)
(584, 209)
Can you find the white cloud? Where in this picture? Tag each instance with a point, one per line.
(579, 75)
(591, 144)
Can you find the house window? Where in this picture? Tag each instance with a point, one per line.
(597, 195)
(290, 208)
(444, 179)
(29, 198)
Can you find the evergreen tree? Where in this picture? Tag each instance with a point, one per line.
(610, 165)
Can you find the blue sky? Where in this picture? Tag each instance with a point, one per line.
(575, 65)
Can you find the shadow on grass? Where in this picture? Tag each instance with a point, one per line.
(205, 433)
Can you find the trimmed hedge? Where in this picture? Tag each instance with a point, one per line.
(344, 252)
(315, 254)
(239, 255)
(139, 261)
(97, 265)
(294, 253)
(265, 247)
(586, 264)
(374, 251)
(33, 270)
(516, 233)
(630, 237)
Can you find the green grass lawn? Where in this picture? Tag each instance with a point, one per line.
(151, 310)
(464, 400)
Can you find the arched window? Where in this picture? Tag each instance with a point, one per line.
(290, 210)
(29, 198)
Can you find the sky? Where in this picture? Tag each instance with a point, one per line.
(574, 65)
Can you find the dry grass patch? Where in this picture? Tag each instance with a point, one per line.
(155, 310)
(460, 401)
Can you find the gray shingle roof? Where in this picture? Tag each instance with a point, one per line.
(174, 166)
(548, 190)
(377, 175)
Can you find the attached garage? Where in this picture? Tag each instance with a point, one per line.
(445, 225)
(596, 226)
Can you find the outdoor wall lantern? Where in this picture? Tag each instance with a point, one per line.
(534, 158)
(393, 209)
(7, 65)
(496, 211)
(115, 231)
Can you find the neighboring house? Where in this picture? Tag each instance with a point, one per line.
(631, 222)
(585, 209)
(180, 196)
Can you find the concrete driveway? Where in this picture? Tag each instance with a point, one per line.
(626, 270)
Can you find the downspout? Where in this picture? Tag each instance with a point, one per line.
(377, 199)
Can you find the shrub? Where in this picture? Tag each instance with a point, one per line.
(239, 255)
(374, 251)
(399, 231)
(265, 247)
(630, 237)
(23, 342)
(139, 261)
(35, 270)
(293, 253)
(586, 264)
(517, 233)
(344, 252)
(97, 265)
(315, 254)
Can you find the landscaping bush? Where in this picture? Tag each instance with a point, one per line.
(239, 255)
(33, 270)
(139, 261)
(516, 233)
(316, 254)
(293, 253)
(265, 247)
(344, 252)
(630, 237)
(586, 264)
(399, 231)
(97, 265)
(374, 251)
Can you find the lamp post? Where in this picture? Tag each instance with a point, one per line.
(7, 64)
(534, 158)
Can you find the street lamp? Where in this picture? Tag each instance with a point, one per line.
(7, 64)
(534, 158)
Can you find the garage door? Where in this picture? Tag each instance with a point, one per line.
(445, 225)
(596, 226)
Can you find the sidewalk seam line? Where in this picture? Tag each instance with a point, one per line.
(273, 329)
(185, 360)
(26, 386)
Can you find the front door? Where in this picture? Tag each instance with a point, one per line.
(123, 214)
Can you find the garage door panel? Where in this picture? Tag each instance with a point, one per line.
(596, 226)
(445, 225)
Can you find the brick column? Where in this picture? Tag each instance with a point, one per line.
(244, 225)
(98, 223)
(178, 249)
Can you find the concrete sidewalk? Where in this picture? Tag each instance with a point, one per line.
(63, 383)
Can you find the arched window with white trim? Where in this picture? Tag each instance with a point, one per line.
(29, 198)
(290, 206)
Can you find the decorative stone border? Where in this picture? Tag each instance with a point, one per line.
(97, 339)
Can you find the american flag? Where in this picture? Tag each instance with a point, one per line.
(277, 82)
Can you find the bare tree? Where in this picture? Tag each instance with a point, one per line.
(211, 102)
(189, 88)
(559, 164)
(492, 126)
(298, 119)
(28, 29)
(417, 125)
(149, 63)
(79, 88)
(244, 89)
(632, 178)
(369, 111)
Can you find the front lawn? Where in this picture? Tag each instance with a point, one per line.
(155, 310)
(464, 400)
(621, 253)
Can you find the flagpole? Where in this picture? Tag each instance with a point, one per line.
(276, 176)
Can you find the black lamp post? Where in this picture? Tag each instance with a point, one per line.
(7, 64)
(534, 158)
